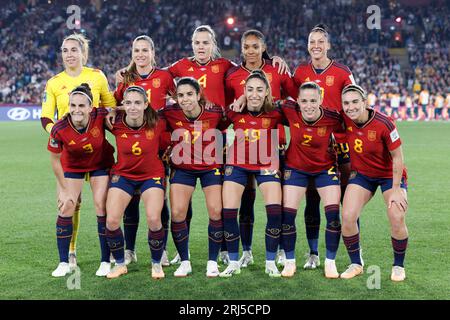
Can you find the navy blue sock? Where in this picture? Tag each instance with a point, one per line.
(288, 232)
(215, 236)
(189, 215)
(165, 217)
(116, 244)
(399, 247)
(231, 232)
(332, 231)
(131, 222)
(104, 248)
(180, 235)
(312, 220)
(353, 249)
(273, 230)
(247, 218)
(156, 244)
(64, 230)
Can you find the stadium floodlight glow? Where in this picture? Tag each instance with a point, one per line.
(398, 19)
(230, 21)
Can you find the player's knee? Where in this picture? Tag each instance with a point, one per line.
(154, 222)
(112, 223)
(100, 206)
(215, 212)
(178, 213)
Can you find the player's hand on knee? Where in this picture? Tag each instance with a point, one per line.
(398, 199)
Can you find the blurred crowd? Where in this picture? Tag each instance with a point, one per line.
(32, 32)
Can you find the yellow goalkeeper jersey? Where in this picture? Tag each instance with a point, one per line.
(56, 96)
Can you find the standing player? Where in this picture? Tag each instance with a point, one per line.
(79, 149)
(158, 85)
(253, 46)
(332, 77)
(377, 160)
(138, 132)
(246, 158)
(75, 53)
(190, 122)
(309, 158)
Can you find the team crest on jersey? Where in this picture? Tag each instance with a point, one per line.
(53, 143)
(287, 174)
(156, 83)
(149, 134)
(205, 124)
(44, 97)
(95, 132)
(266, 123)
(215, 69)
(115, 178)
(321, 131)
(229, 171)
(372, 135)
(329, 80)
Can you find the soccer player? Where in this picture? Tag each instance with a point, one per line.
(79, 149)
(253, 46)
(332, 77)
(158, 85)
(75, 53)
(377, 160)
(191, 125)
(309, 160)
(138, 132)
(254, 152)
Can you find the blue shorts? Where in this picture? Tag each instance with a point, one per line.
(189, 177)
(240, 175)
(131, 186)
(86, 175)
(325, 178)
(343, 152)
(372, 184)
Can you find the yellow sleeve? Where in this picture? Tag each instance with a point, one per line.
(106, 97)
(48, 107)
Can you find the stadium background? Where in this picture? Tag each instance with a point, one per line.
(409, 55)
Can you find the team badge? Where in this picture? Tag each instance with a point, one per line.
(352, 175)
(329, 81)
(215, 69)
(269, 77)
(44, 97)
(156, 83)
(321, 131)
(205, 124)
(228, 170)
(149, 134)
(372, 135)
(266, 122)
(115, 178)
(95, 132)
(287, 174)
(53, 143)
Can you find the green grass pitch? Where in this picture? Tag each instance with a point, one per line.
(28, 251)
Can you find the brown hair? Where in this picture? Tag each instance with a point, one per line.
(258, 34)
(268, 101)
(194, 84)
(131, 73)
(150, 115)
(84, 45)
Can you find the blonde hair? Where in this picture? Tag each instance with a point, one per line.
(206, 28)
(83, 42)
(131, 73)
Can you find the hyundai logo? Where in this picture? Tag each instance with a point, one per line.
(19, 114)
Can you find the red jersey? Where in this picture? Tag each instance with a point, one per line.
(137, 150)
(198, 136)
(158, 84)
(309, 147)
(282, 85)
(253, 148)
(82, 152)
(371, 143)
(331, 80)
(211, 76)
